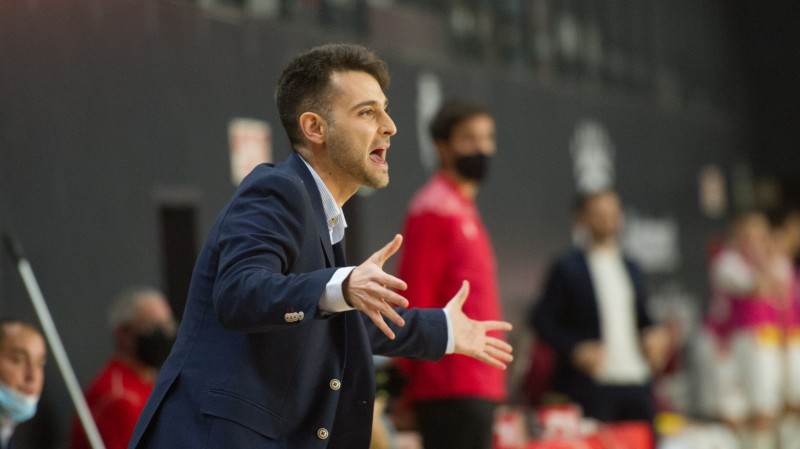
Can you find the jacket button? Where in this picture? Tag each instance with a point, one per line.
(336, 384)
(322, 433)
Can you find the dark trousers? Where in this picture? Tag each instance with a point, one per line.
(617, 402)
(456, 423)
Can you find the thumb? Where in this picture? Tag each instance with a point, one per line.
(461, 297)
(382, 255)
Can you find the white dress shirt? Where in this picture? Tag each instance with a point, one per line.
(624, 363)
(332, 299)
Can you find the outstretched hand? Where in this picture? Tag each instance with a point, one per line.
(470, 335)
(369, 289)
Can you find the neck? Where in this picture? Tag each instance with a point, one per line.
(603, 243)
(467, 187)
(341, 189)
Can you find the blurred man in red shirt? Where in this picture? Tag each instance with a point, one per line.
(445, 243)
(144, 330)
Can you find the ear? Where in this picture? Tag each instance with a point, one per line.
(313, 127)
(444, 153)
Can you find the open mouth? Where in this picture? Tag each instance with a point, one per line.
(378, 156)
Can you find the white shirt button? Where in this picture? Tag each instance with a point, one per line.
(322, 433)
(336, 384)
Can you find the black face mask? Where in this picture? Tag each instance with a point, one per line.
(473, 167)
(153, 347)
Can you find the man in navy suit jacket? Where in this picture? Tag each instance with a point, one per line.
(275, 346)
(593, 314)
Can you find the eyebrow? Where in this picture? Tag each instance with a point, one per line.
(17, 350)
(369, 103)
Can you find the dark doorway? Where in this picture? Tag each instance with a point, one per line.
(179, 246)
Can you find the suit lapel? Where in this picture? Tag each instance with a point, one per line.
(296, 163)
(587, 281)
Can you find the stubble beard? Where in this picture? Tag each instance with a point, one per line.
(346, 156)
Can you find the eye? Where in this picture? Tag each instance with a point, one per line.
(367, 112)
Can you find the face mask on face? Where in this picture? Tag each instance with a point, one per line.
(152, 348)
(473, 167)
(16, 406)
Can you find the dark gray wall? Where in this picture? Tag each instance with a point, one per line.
(108, 109)
(771, 42)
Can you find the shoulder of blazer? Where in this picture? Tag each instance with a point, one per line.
(294, 172)
(572, 259)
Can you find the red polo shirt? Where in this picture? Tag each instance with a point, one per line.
(445, 243)
(116, 398)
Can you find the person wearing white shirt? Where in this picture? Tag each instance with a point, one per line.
(593, 314)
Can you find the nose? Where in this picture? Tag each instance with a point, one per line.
(389, 128)
(488, 146)
(30, 373)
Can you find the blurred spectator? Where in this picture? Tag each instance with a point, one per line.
(754, 314)
(144, 329)
(386, 380)
(445, 243)
(592, 313)
(786, 233)
(22, 358)
(786, 248)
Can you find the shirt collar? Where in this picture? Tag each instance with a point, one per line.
(334, 216)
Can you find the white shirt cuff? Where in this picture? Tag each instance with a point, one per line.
(451, 342)
(332, 299)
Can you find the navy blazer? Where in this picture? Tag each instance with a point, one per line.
(256, 364)
(567, 315)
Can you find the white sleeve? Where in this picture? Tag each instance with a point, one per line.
(332, 299)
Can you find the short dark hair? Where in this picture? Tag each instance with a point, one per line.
(305, 83)
(583, 199)
(453, 112)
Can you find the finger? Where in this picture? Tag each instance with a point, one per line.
(391, 248)
(393, 298)
(461, 297)
(382, 255)
(392, 315)
(499, 355)
(496, 326)
(387, 280)
(377, 318)
(485, 358)
(501, 345)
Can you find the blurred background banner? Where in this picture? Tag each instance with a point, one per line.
(250, 145)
